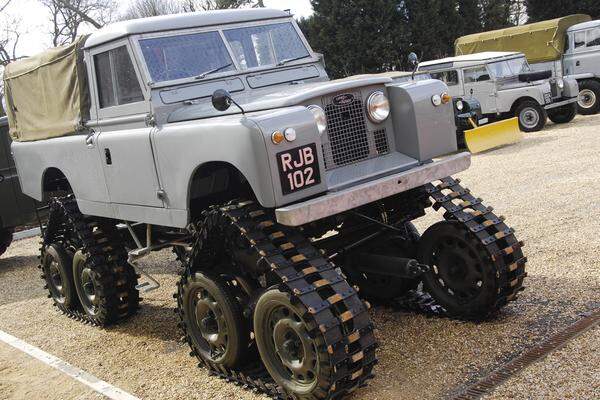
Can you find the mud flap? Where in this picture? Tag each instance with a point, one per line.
(493, 135)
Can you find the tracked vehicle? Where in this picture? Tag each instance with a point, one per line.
(220, 134)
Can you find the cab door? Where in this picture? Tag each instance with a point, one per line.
(478, 84)
(122, 136)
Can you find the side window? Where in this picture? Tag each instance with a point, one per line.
(106, 94)
(567, 43)
(477, 74)
(117, 82)
(449, 77)
(593, 37)
(579, 39)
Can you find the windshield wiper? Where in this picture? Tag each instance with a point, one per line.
(212, 71)
(289, 60)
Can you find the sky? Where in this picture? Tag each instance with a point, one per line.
(35, 27)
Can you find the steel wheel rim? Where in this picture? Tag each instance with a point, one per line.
(291, 347)
(529, 117)
(87, 287)
(457, 269)
(209, 324)
(586, 99)
(56, 280)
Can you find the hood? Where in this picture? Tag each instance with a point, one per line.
(275, 97)
(513, 82)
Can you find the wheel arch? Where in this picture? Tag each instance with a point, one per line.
(54, 180)
(216, 182)
(520, 101)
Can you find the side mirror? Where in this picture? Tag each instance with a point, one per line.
(221, 100)
(413, 59)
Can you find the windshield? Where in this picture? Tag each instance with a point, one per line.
(185, 56)
(508, 68)
(266, 45)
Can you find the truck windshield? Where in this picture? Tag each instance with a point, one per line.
(266, 45)
(508, 68)
(184, 56)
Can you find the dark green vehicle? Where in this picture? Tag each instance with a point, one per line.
(16, 209)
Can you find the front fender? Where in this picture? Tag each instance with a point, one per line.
(242, 141)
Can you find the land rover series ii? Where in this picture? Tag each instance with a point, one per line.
(16, 209)
(567, 46)
(221, 132)
(506, 88)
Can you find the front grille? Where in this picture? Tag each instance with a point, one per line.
(348, 139)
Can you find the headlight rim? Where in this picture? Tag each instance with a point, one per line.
(321, 127)
(371, 114)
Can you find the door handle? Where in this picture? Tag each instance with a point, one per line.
(107, 156)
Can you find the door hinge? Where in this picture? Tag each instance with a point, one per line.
(161, 194)
(150, 120)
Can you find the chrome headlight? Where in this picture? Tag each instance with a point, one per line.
(378, 107)
(560, 83)
(320, 118)
(460, 105)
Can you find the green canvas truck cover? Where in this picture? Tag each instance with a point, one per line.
(47, 94)
(540, 41)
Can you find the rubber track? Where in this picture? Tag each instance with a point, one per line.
(304, 274)
(496, 237)
(106, 256)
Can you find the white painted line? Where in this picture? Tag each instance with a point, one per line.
(96, 384)
(27, 234)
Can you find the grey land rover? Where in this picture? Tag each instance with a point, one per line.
(220, 134)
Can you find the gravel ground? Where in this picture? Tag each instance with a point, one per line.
(547, 188)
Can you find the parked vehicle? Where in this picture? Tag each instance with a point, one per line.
(222, 132)
(505, 86)
(567, 46)
(473, 132)
(16, 209)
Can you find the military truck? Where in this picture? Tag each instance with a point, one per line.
(221, 132)
(506, 87)
(568, 46)
(16, 209)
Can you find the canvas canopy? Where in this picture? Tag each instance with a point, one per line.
(540, 41)
(47, 95)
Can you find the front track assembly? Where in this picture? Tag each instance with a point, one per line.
(485, 241)
(338, 320)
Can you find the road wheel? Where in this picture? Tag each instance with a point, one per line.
(564, 114)
(532, 117)
(383, 288)
(588, 102)
(57, 271)
(6, 237)
(103, 281)
(212, 320)
(295, 360)
(462, 278)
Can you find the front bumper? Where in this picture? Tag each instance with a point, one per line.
(338, 202)
(560, 103)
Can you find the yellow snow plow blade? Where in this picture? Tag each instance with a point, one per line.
(485, 137)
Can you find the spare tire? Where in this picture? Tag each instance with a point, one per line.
(534, 76)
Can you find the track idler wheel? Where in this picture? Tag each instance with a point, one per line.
(462, 277)
(288, 351)
(213, 320)
(57, 272)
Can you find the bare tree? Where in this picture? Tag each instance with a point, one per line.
(205, 5)
(151, 8)
(68, 16)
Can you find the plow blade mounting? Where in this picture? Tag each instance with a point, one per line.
(493, 135)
